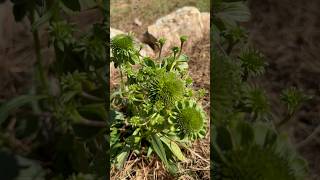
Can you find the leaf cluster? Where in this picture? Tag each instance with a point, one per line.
(158, 109)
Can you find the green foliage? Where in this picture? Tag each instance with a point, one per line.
(57, 130)
(159, 110)
(252, 62)
(255, 101)
(123, 50)
(166, 88)
(293, 98)
(255, 151)
(190, 119)
(246, 140)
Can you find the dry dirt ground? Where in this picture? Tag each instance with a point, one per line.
(288, 33)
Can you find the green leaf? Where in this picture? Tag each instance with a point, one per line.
(233, 12)
(175, 149)
(260, 131)
(45, 18)
(148, 61)
(115, 116)
(87, 4)
(158, 148)
(16, 103)
(30, 169)
(149, 151)
(66, 97)
(246, 133)
(74, 5)
(183, 58)
(122, 157)
(136, 131)
(94, 111)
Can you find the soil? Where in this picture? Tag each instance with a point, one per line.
(287, 32)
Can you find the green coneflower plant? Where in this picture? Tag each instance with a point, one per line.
(157, 108)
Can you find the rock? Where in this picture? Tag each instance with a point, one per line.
(114, 32)
(205, 16)
(185, 21)
(137, 22)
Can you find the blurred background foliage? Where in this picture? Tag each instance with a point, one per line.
(57, 128)
(248, 140)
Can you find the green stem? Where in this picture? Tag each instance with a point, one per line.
(90, 97)
(173, 64)
(160, 52)
(287, 119)
(40, 74)
(122, 81)
(181, 46)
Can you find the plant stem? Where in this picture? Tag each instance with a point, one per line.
(181, 46)
(309, 138)
(121, 76)
(90, 97)
(39, 63)
(285, 120)
(160, 52)
(92, 123)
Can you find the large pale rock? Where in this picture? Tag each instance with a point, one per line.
(185, 21)
(114, 32)
(205, 17)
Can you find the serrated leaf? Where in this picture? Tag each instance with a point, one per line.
(43, 19)
(233, 12)
(175, 149)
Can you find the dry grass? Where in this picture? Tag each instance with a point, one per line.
(142, 168)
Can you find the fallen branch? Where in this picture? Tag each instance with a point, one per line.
(308, 139)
